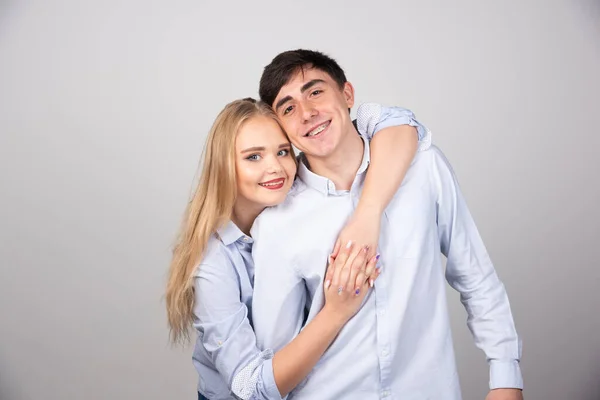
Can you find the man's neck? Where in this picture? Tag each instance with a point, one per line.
(341, 166)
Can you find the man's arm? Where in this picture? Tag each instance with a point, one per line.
(279, 297)
(470, 271)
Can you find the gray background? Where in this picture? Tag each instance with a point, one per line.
(104, 108)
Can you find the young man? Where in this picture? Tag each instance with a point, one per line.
(399, 345)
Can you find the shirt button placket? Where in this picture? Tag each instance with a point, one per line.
(383, 340)
(330, 187)
(385, 352)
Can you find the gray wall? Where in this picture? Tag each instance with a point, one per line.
(104, 108)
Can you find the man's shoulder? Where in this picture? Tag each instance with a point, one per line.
(435, 152)
(423, 173)
(434, 169)
(436, 159)
(429, 158)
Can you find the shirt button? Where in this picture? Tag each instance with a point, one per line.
(382, 312)
(385, 352)
(246, 239)
(385, 393)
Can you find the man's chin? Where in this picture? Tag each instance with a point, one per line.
(320, 152)
(313, 149)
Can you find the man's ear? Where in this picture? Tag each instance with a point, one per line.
(348, 92)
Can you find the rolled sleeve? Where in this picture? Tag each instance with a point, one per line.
(372, 118)
(256, 381)
(268, 381)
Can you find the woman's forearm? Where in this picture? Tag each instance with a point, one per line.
(293, 363)
(392, 151)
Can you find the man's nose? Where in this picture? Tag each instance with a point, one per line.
(308, 111)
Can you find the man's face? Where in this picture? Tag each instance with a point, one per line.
(314, 112)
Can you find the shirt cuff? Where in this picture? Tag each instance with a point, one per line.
(505, 375)
(270, 387)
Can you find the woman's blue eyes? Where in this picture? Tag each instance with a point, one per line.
(257, 157)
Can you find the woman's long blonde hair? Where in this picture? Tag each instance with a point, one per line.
(209, 209)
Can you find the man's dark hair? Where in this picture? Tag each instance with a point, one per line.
(283, 67)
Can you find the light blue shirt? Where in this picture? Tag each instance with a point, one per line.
(399, 344)
(229, 362)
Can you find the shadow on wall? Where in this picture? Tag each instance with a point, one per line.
(591, 391)
(8, 389)
(9, 10)
(591, 10)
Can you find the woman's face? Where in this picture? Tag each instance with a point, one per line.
(264, 163)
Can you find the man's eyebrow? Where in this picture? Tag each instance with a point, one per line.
(310, 84)
(282, 102)
(303, 89)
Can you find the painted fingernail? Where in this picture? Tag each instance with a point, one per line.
(327, 284)
(340, 290)
(379, 269)
(357, 291)
(371, 282)
(349, 244)
(378, 255)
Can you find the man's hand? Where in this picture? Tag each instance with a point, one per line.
(505, 394)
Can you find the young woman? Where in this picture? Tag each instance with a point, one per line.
(249, 165)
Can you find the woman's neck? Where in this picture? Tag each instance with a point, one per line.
(244, 214)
